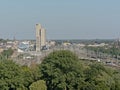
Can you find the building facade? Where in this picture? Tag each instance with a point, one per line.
(43, 37)
(40, 37)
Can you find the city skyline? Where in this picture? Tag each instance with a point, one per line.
(62, 19)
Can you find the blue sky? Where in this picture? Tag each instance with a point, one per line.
(63, 19)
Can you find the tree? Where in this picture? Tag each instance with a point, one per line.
(116, 77)
(100, 77)
(38, 85)
(11, 76)
(31, 74)
(61, 70)
(7, 53)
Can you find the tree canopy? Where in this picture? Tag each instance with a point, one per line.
(38, 85)
(10, 75)
(60, 70)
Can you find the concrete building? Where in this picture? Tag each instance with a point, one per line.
(38, 28)
(40, 37)
(43, 37)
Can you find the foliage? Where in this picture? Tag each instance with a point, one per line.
(61, 71)
(14, 77)
(10, 75)
(6, 54)
(30, 75)
(99, 77)
(39, 85)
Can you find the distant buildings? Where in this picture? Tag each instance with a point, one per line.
(97, 45)
(23, 46)
(40, 37)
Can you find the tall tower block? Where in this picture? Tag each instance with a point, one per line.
(43, 37)
(38, 37)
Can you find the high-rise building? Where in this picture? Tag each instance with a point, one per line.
(43, 37)
(40, 37)
(38, 28)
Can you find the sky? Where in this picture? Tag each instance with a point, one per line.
(62, 19)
